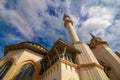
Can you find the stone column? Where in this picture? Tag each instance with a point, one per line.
(89, 68)
(68, 23)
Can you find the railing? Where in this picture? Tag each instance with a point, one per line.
(55, 59)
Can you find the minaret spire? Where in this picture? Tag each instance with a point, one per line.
(92, 35)
(68, 23)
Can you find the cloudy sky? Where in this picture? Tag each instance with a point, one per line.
(41, 21)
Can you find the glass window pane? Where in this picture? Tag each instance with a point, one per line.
(25, 73)
(4, 68)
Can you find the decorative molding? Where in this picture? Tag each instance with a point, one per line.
(67, 21)
(19, 66)
(69, 63)
(36, 66)
(102, 42)
(77, 42)
(91, 65)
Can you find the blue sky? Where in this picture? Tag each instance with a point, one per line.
(41, 21)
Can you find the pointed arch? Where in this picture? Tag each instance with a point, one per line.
(25, 73)
(35, 74)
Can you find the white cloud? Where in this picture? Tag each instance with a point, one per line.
(1, 5)
(17, 21)
(112, 32)
(29, 17)
(99, 18)
(11, 38)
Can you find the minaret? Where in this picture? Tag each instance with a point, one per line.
(68, 23)
(102, 51)
(89, 67)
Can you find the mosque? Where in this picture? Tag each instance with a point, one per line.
(64, 61)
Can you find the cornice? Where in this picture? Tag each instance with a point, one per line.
(91, 65)
(98, 43)
(24, 46)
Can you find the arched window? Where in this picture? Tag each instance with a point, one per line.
(4, 68)
(25, 72)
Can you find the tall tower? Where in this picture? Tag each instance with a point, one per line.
(106, 56)
(68, 23)
(89, 68)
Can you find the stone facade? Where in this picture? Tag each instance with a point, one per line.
(64, 61)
